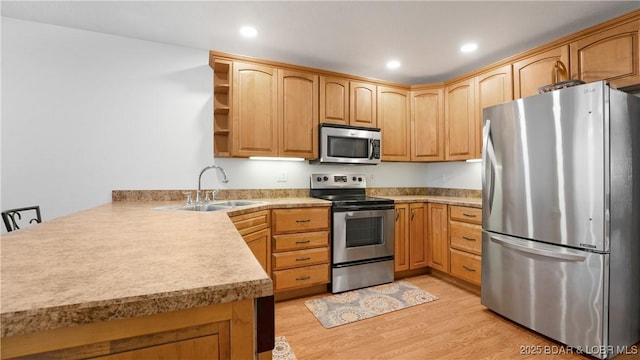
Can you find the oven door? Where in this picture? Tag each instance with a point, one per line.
(362, 234)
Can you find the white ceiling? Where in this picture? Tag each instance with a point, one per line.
(354, 37)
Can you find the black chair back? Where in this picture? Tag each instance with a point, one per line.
(13, 217)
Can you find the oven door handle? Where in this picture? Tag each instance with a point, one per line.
(367, 214)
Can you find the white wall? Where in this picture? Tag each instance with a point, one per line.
(84, 113)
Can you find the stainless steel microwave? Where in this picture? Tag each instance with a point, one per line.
(342, 144)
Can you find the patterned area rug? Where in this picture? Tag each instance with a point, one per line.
(282, 350)
(361, 304)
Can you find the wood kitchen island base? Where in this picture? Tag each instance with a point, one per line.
(220, 331)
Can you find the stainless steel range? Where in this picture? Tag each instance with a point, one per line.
(362, 231)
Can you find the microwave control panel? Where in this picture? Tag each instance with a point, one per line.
(376, 149)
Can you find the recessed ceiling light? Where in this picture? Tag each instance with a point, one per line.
(393, 64)
(248, 31)
(470, 47)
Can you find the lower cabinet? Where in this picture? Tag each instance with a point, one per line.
(465, 243)
(410, 237)
(437, 240)
(301, 250)
(401, 238)
(417, 235)
(255, 229)
(219, 331)
(203, 347)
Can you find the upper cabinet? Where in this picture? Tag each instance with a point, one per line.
(334, 100)
(221, 106)
(297, 114)
(460, 114)
(538, 70)
(262, 110)
(611, 54)
(254, 111)
(427, 124)
(394, 123)
(347, 102)
(267, 108)
(362, 100)
(492, 87)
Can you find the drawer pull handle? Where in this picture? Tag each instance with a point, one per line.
(469, 215)
(468, 268)
(303, 241)
(303, 278)
(303, 220)
(303, 259)
(468, 238)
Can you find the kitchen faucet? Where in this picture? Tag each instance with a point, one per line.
(224, 180)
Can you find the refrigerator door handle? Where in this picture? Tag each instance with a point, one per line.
(489, 162)
(566, 254)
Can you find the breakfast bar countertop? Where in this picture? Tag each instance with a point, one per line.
(128, 259)
(122, 260)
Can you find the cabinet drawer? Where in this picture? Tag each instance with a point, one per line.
(300, 219)
(466, 266)
(290, 259)
(249, 223)
(466, 214)
(300, 241)
(300, 277)
(466, 237)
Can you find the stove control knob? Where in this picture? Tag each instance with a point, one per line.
(318, 179)
(325, 178)
(360, 179)
(354, 178)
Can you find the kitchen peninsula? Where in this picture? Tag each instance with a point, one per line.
(126, 279)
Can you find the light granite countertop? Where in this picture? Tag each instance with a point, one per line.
(449, 200)
(128, 259)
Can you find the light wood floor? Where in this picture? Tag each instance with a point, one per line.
(456, 326)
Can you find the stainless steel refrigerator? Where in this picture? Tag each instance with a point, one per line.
(561, 216)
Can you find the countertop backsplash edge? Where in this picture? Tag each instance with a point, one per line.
(234, 194)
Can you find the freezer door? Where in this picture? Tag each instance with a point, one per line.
(545, 167)
(556, 291)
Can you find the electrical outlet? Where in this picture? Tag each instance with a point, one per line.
(282, 177)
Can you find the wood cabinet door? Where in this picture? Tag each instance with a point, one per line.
(492, 88)
(259, 243)
(254, 110)
(437, 239)
(362, 104)
(401, 238)
(418, 235)
(460, 121)
(608, 55)
(204, 347)
(334, 100)
(535, 71)
(393, 120)
(427, 125)
(297, 114)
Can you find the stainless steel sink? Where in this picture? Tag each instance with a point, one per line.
(236, 203)
(218, 205)
(208, 207)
